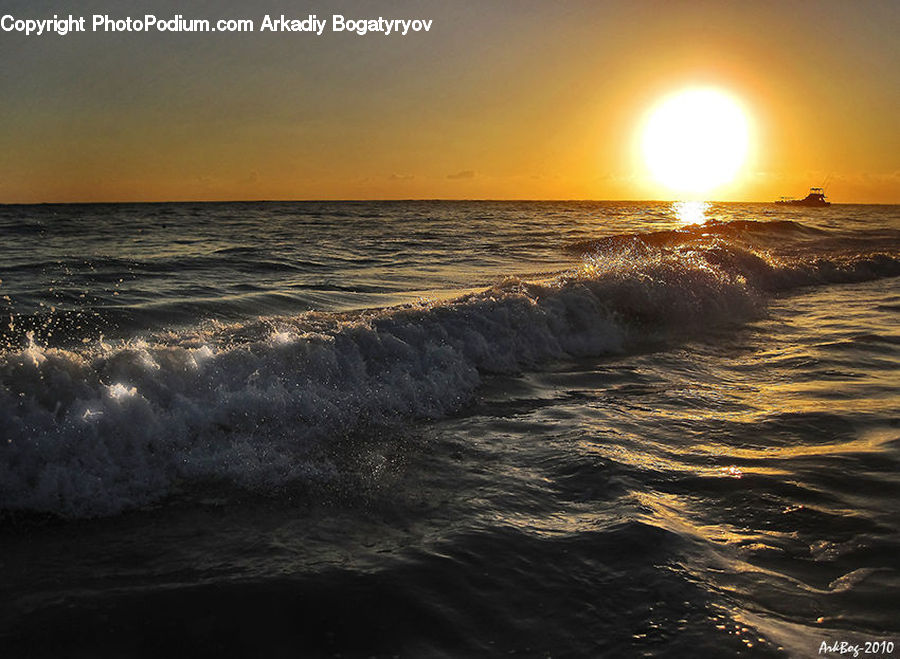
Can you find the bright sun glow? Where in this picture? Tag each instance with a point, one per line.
(696, 141)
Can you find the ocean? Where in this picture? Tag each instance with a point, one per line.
(449, 429)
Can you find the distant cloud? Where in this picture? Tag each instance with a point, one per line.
(401, 177)
(466, 173)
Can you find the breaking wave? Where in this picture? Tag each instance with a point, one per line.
(103, 428)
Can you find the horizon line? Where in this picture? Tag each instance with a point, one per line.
(409, 199)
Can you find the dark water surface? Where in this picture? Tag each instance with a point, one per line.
(449, 429)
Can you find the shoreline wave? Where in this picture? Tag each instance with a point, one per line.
(98, 429)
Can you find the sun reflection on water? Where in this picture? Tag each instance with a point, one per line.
(690, 212)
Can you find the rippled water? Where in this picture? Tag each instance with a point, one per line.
(587, 429)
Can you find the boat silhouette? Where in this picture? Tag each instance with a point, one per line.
(816, 197)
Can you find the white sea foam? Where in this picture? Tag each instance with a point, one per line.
(97, 430)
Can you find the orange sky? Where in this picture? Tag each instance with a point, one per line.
(518, 99)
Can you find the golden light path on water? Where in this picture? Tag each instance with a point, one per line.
(690, 212)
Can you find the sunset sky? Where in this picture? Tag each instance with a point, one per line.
(500, 100)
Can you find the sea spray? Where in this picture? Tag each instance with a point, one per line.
(96, 427)
(106, 427)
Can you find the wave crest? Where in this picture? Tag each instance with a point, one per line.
(101, 429)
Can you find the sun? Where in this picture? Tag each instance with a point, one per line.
(696, 141)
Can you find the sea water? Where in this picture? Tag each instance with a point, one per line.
(448, 428)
